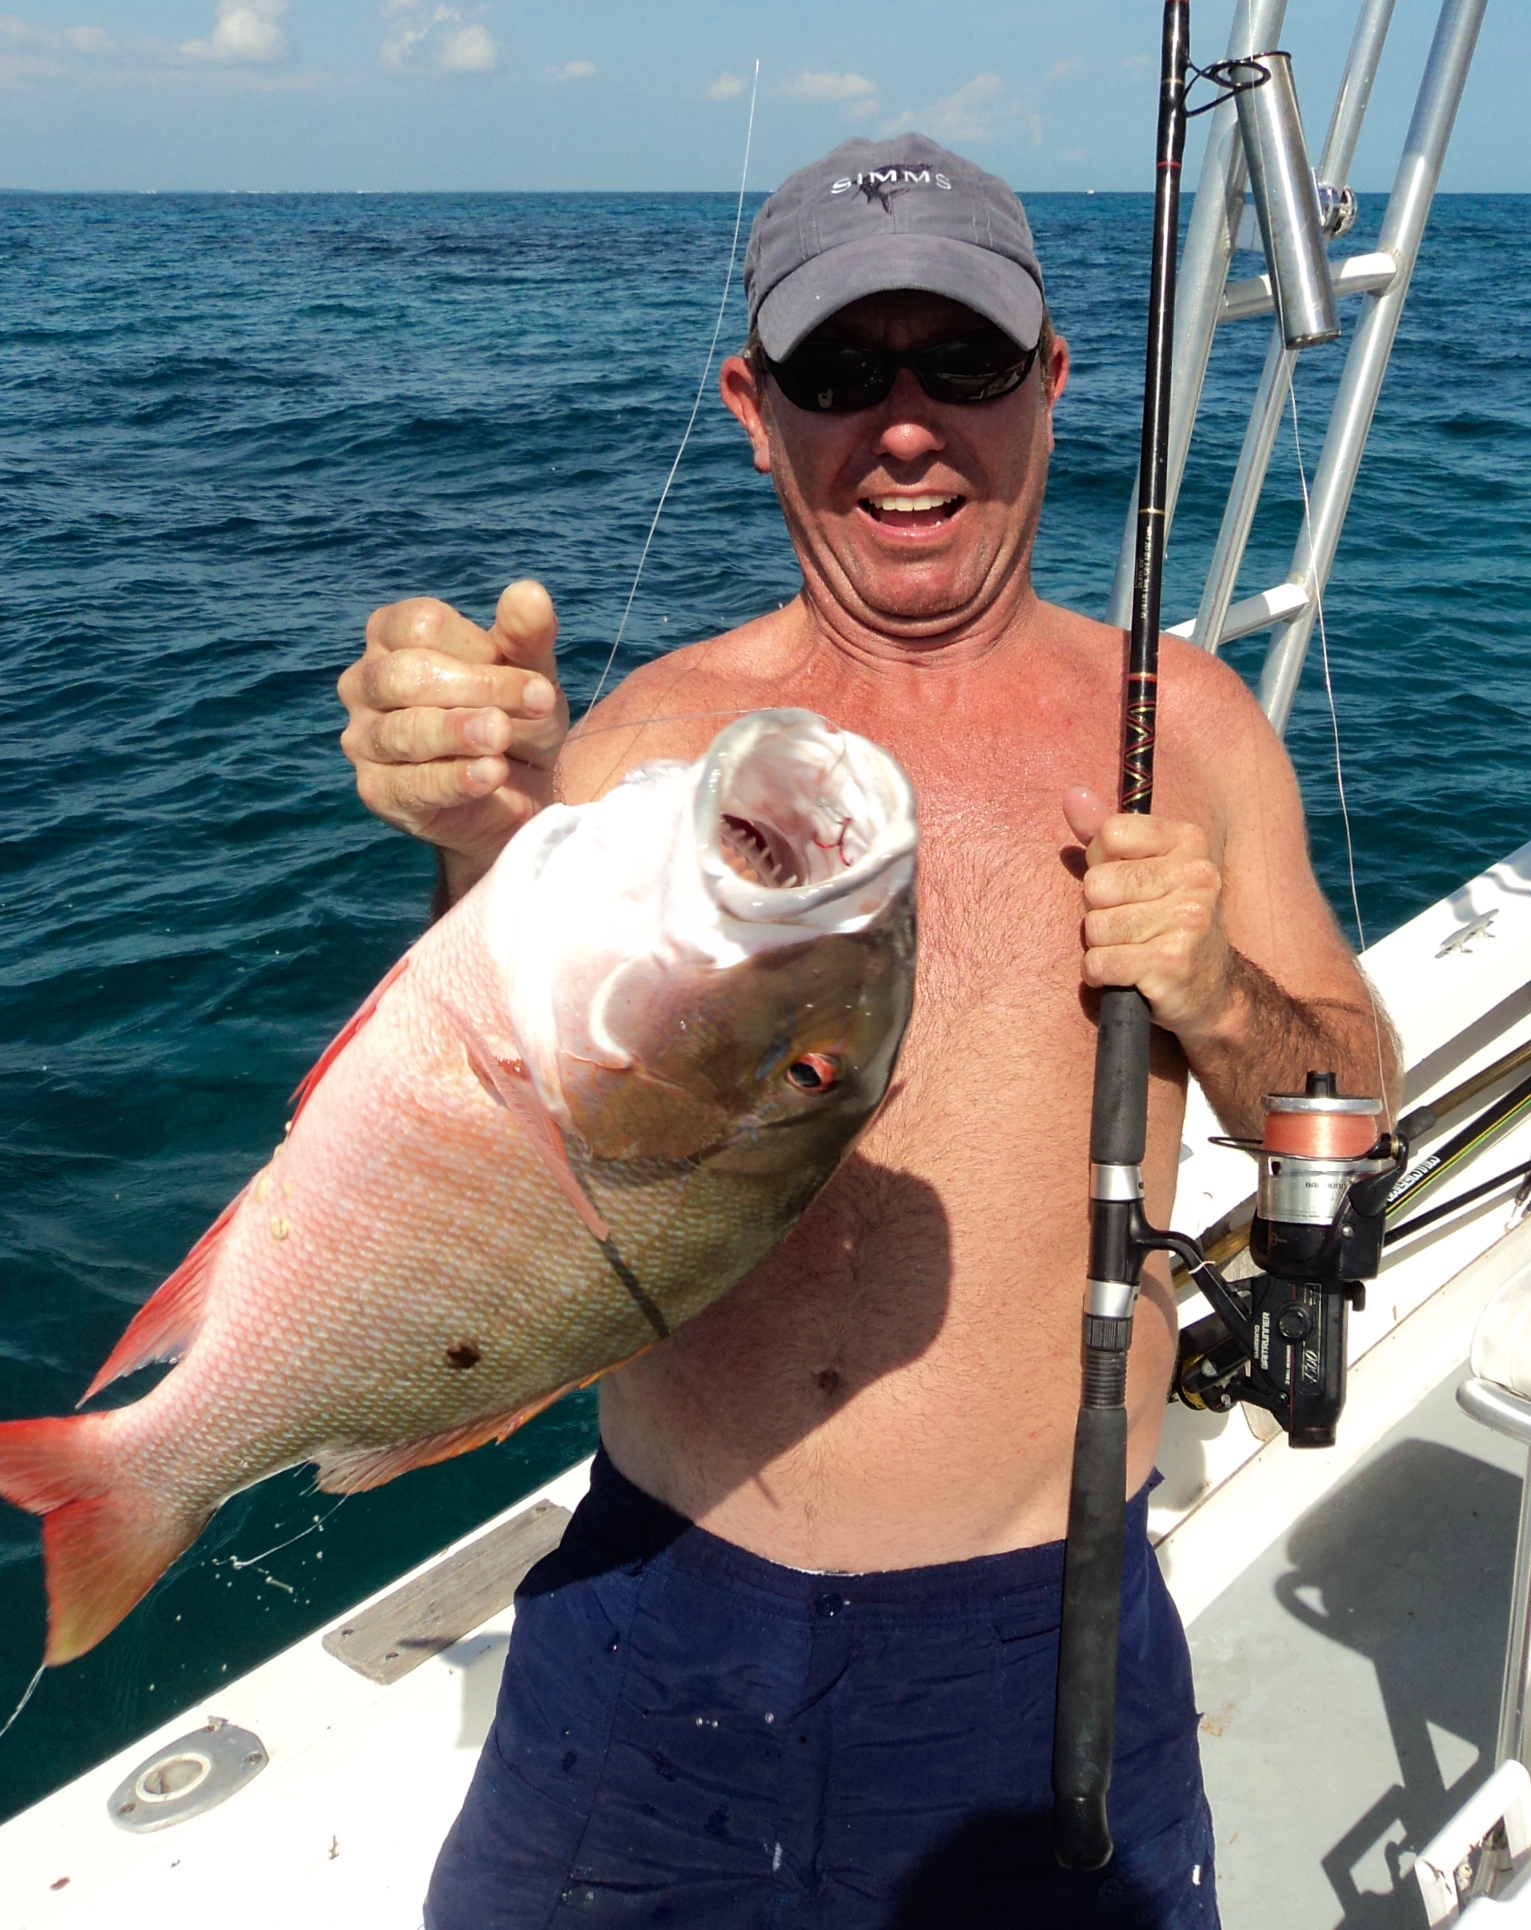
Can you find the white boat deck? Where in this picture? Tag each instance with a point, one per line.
(1349, 1680)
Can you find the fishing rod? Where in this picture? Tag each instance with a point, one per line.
(1492, 1123)
(1456, 1203)
(1120, 1238)
(1326, 1165)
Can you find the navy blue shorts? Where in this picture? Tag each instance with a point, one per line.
(690, 1736)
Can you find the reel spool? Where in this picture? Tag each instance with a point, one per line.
(1316, 1145)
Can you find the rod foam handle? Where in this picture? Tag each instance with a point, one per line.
(1119, 1118)
(1085, 1723)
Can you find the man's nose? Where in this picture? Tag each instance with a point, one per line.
(910, 422)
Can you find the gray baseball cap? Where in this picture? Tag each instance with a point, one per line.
(881, 215)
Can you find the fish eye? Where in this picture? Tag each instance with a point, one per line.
(814, 1073)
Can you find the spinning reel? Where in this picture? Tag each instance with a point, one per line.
(1278, 1339)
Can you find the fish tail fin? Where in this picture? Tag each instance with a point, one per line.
(105, 1540)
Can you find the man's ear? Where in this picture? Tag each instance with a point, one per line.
(1057, 378)
(742, 399)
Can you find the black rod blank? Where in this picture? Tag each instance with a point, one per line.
(1085, 1721)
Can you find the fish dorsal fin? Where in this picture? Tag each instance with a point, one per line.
(508, 1083)
(166, 1325)
(337, 1045)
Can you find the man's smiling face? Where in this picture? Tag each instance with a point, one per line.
(913, 518)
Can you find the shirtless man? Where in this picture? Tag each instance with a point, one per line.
(794, 1663)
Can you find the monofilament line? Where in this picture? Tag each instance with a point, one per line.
(701, 390)
(25, 1699)
(1334, 716)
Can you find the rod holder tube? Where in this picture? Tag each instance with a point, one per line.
(1403, 226)
(1270, 400)
(1286, 203)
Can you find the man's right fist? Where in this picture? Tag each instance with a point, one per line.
(454, 730)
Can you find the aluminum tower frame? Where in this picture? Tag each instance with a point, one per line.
(1206, 299)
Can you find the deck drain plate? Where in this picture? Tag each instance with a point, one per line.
(194, 1773)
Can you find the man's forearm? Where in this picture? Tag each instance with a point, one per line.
(1268, 1041)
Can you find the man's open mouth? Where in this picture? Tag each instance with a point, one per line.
(912, 512)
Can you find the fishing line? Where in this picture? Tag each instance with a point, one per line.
(316, 1526)
(1334, 717)
(701, 390)
(25, 1699)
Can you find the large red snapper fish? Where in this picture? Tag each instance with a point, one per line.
(588, 1101)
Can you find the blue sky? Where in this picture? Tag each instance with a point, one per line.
(592, 94)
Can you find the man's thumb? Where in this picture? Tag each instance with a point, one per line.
(1085, 811)
(526, 628)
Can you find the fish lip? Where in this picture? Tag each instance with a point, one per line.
(868, 776)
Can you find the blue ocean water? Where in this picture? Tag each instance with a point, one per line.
(231, 426)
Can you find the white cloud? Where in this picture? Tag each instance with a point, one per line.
(247, 48)
(246, 33)
(438, 39)
(574, 70)
(1034, 122)
(828, 87)
(78, 40)
(467, 50)
(1135, 63)
(29, 67)
(1063, 68)
(962, 116)
(1075, 154)
(724, 87)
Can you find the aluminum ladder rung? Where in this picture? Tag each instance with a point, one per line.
(1355, 275)
(1278, 605)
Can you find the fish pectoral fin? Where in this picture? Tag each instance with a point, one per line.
(166, 1325)
(355, 1470)
(106, 1541)
(337, 1045)
(508, 1083)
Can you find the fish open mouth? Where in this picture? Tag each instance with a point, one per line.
(792, 815)
(759, 853)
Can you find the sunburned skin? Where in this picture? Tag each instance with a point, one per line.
(897, 1384)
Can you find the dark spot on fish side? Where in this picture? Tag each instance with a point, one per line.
(463, 1355)
(827, 1381)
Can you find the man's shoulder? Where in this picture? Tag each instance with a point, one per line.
(1195, 687)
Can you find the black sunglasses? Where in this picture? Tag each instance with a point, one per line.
(837, 378)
